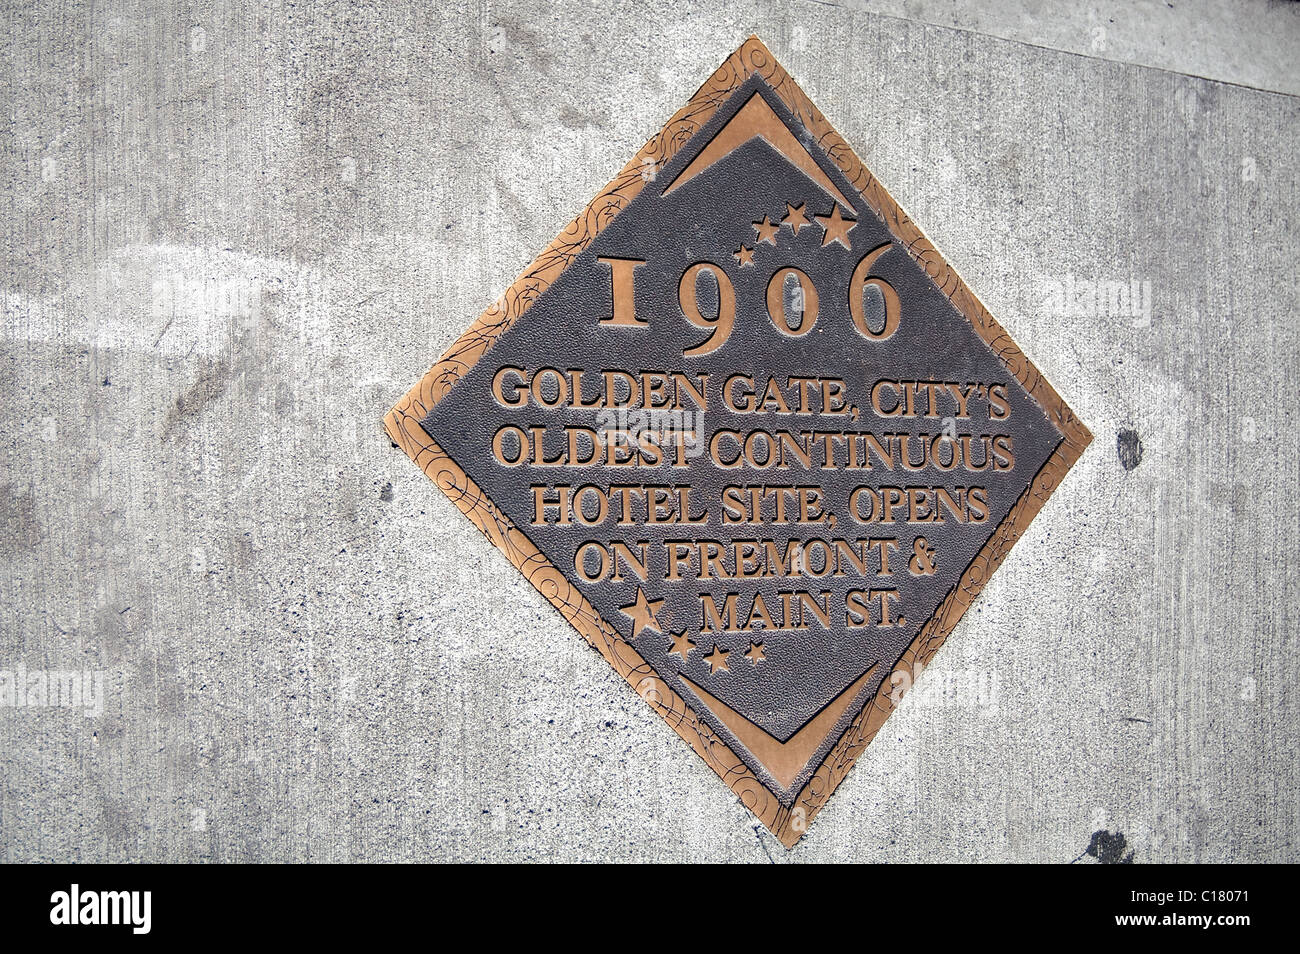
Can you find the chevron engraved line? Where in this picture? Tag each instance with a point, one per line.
(785, 760)
(756, 120)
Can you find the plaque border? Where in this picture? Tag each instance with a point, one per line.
(402, 425)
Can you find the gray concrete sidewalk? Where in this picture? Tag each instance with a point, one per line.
(234, 237)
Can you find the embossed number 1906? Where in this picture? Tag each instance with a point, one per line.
(794, 325)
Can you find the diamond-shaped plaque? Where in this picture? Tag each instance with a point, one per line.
(749, 432)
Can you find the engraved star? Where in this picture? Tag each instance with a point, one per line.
(642, 614)
(795, 217)
(717, 659)
(744, 255)
(836, 228)
(766, 230)
(682, 645)
(755, 654)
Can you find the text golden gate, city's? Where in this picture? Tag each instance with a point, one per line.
(748, 431)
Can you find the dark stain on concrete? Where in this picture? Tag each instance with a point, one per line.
(1108, 849)
(577, 119)
(120, 827)
(20, 528)
(1129, 447)
(513, 37)
(386, 494)
(210, 385)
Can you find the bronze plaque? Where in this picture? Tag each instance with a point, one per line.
(750, 433)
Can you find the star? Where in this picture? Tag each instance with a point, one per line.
(717, 659)
(766, 230)
(682, 645)
(795, 217)
(836, 227)
(642, 614)
(745, 255)
(755, 654)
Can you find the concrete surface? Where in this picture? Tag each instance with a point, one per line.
(234, 237)
(1247, 42)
